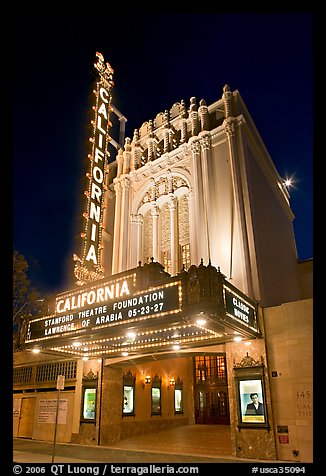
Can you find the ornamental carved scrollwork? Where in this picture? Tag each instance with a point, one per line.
(229, 127)
(249, 361)
(205, 141)
(195, 147)
(90, 375)
(202, 286)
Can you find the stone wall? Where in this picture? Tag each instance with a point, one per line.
(289, 341)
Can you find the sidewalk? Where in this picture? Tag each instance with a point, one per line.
(189, 443)
(32, 451)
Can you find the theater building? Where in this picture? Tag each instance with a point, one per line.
(189, 300)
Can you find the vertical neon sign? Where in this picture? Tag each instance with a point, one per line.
(89, 267)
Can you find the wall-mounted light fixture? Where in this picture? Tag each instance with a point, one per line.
(171, 382)
(147, 380)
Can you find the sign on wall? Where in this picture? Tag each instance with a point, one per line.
(47, 409)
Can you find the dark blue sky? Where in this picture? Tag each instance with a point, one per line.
(158, 59)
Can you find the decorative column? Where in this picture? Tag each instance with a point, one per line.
(205, 142)
(133, 242)
(229, 129)
(192, 229)
(174, 234)
(236, 193)
(200, 248)
(140, 235)
(124, 229)
(107, 232)
(155, 216)
(117, 222)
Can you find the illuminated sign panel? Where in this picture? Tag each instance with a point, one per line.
(94, 295)
(240, 309)
(154, 302)
(95, 193)
(90, 268)
(95, 320)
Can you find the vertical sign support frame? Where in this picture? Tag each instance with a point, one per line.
(60, 386)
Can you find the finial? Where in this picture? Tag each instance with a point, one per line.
(136, 135)
(193, 105)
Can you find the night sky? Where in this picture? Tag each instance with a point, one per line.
(158, 59)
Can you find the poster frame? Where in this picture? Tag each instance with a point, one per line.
(248, 381)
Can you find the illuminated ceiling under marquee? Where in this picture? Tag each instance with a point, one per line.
(133, 314)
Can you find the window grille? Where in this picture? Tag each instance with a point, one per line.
(50, 372)
(22, 375)
(210, 368)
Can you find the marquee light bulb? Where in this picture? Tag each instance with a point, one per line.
(201, 322)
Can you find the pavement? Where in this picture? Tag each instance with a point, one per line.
(187, 444)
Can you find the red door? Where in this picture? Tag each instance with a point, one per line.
(211, 407)
(211, 392)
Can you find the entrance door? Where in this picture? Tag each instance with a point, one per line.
(211, 392)
(26, 420)
(212, 407)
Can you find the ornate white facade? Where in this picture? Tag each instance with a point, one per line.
(196, 184)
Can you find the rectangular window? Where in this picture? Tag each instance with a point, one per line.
(166, 260)
(22, 375)
(50, 372)
(156, 395)
(185, 256)
(128, 394)
(210, 369)
(178, 400)
(128, 400)
(156, 401)
(178, 396)
(89, 404)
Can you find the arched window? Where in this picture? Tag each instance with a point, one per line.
(166, 228)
